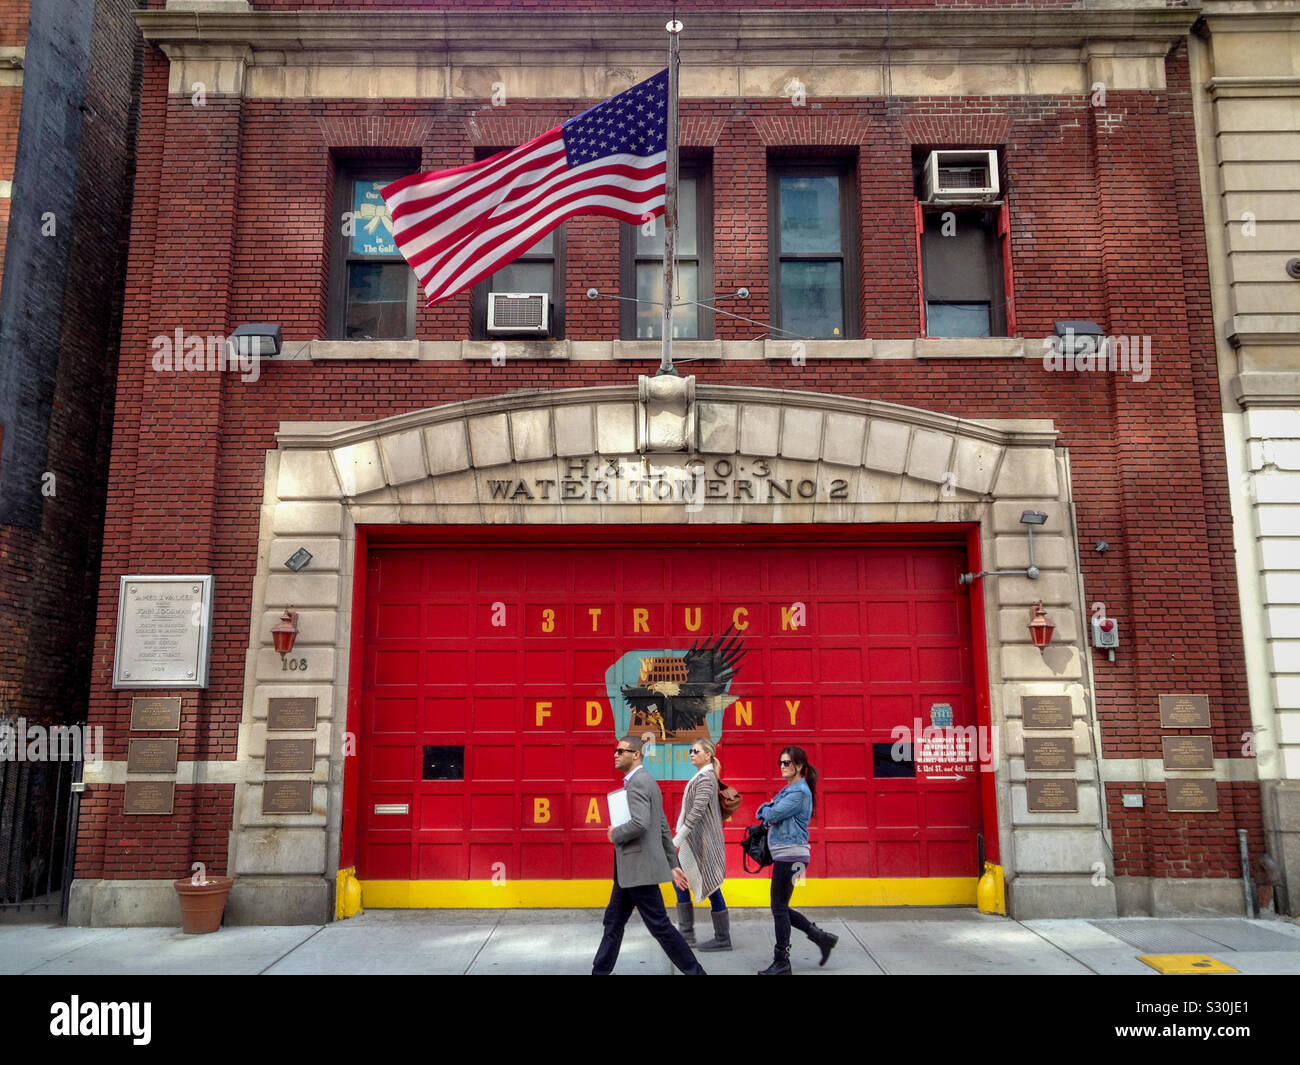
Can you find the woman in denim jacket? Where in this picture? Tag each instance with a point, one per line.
(787, 817)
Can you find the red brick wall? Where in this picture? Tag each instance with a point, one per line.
(13, 21)
(1096, 233)
(154, 848)
(1151, 841)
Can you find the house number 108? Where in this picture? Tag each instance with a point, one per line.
(293, 663)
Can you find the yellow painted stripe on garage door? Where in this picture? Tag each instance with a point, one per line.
(560, 894)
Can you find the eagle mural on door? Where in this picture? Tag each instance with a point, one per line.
(671, 698)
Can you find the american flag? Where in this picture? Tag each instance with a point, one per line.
(456, 227)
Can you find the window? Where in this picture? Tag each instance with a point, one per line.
(539, 269)
(964, 277)
(372, 289)
(642, 274)
(534, 271)
(812, 244)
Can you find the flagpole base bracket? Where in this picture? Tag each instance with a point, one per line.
(666, 413)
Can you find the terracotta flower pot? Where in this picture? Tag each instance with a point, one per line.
(202, 904)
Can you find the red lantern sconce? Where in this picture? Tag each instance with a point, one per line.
(285, 632)
(1040, 629)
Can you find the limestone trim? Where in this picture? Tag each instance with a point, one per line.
(513, 350)
(1280, 389)
(1152, 771)
(108, 771)
(12, 58)
(298, 435)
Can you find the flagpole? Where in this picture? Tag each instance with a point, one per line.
(674, 28)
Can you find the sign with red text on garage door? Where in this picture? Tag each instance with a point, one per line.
(497, 681)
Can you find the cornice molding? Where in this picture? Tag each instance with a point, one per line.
(757, 32)
(1246, 87)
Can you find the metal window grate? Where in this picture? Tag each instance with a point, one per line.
(963, 177)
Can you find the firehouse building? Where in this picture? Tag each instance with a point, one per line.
(499, 543)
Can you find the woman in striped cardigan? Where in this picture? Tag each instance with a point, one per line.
(699, 843)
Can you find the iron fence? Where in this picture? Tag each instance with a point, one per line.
(38, 811)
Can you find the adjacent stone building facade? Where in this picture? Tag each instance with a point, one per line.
(408, 453)
(1247, 95)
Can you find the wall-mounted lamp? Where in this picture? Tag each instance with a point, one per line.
(285, 632)
(1076, 338)
(1040, 629)
(1028, 518)
(258, 338)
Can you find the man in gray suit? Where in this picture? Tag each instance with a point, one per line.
(644, 857)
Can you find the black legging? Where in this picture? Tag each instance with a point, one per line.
(783, 876)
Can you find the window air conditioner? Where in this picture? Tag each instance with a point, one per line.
(519, 312)
(961, 175)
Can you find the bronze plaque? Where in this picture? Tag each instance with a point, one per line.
(1184, 711)
(149, 797)
(152, 756)
(286, 797)
(290, 756)
(298, 712)
(1058, 795)
(1188, 752)
(1192, 796)
(162, 714)
(1049, 753)
(1046, 711)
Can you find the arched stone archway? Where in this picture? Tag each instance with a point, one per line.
(665, 452)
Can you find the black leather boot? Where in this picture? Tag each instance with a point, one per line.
(721, 932)
(780, 963)
(825, 941)
(686, 921)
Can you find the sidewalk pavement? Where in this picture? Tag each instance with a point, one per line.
(883, 941)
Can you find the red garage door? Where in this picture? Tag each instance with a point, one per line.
(491, 700)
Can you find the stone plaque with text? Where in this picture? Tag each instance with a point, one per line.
(1188, 752)
(1192, 796)
(1184, 711)
(296, 712)
(149, 797)
(1045, 711)
(1049, 753)
(164, 632)
(1058, 795)
(290, 756)
(161, 713)
(155, 755)
(286, 797)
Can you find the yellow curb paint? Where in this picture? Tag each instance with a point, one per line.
(1185, 964)
(587, 894)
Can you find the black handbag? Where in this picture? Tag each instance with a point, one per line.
(755, 847)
